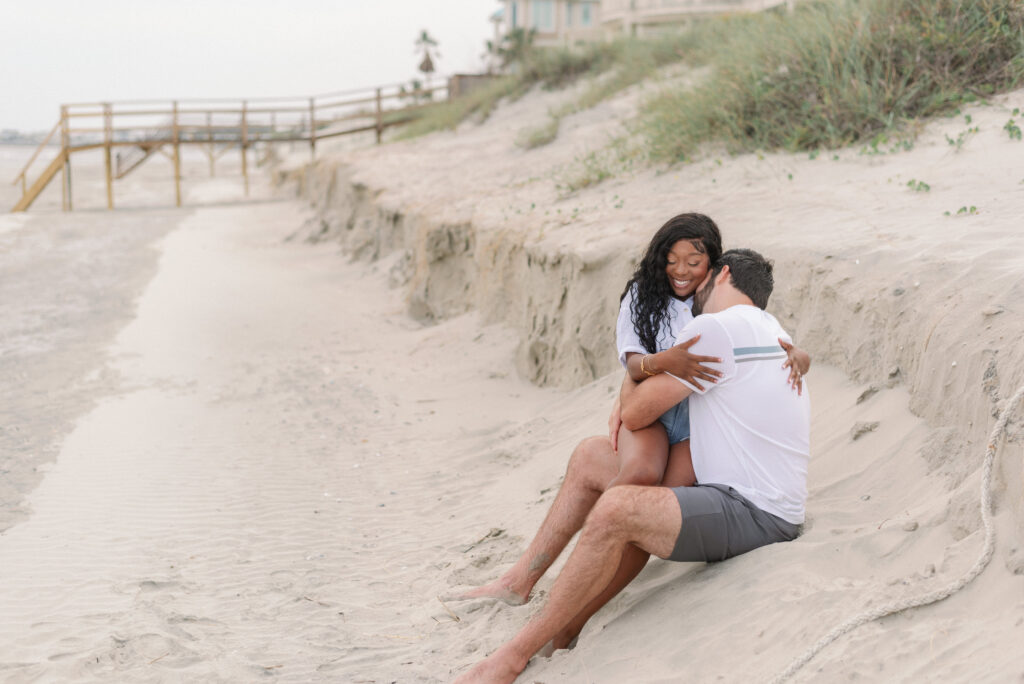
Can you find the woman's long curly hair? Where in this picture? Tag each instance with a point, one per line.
(650, 305)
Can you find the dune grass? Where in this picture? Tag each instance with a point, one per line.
(840, 72)
(537, 136)
(450, 113)
(629, 61)
(831, 74)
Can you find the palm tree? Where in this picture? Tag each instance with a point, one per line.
(427, 46)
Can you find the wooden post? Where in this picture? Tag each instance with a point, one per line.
(209, 137)
(380, 117)
(312, 129)
(108, 138)
(177, 153)
(65, 144)
(245, 144)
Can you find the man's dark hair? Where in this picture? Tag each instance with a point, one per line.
(749, 272)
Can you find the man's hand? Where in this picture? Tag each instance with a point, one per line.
(798, 362)
(614, 423)
(683, 364)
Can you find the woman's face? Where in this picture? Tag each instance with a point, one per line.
(686, 268)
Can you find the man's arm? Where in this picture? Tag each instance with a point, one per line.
(642, 403)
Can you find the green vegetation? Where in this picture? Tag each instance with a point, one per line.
(839, 72)
(831, 74)
(622, 64)
(918, 186)
(590, 169)
(961, 138)
(1012, 129)
(530, 138)
(447, 115)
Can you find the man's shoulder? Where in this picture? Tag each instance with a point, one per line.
(746, 315)
(706, 321)
(719, 319)
(712, 328)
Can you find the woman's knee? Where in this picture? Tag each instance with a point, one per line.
(591, 451)
(638, 472)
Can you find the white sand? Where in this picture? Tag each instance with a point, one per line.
(872, 277)
(283, 469)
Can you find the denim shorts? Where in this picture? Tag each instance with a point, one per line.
(677, 421)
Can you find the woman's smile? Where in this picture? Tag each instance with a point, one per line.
(685, 266)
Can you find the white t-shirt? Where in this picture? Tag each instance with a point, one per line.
(626, 339)
(751, 430)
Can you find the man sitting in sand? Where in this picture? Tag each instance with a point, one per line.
(750, 437)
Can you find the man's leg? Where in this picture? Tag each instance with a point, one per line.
(678, 473)
(647, 517)
(593, 464)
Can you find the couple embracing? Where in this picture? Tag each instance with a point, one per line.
(707, 451)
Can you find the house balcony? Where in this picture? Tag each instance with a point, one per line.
(633, 16)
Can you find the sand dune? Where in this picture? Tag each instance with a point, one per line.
(904, 293)
(283, 452)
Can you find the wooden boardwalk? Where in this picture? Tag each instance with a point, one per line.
(131, 132)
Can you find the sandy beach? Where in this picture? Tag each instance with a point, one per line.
(256, 438)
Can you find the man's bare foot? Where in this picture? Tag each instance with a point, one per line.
(501, 667)
(499, 589)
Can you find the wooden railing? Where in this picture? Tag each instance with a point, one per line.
(216, 125)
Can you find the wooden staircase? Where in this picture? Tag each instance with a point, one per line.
(40, 183)
(215, 126)
(136, 158)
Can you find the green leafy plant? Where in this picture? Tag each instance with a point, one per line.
(918, 186)
(959, 140)
(831, 74)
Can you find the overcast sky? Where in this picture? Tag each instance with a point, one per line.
(54, 51)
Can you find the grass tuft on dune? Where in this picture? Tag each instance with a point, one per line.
(837, 73)
(629, 61)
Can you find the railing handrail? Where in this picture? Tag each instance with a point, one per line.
(74, 110)
(300, 118)
(36, 154)
(296, 98)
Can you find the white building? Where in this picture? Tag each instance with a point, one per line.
(643, 17)
(555, 22)
(566, 22)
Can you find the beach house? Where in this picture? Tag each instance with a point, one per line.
(554, 22)
(566, 22)
(644, 17)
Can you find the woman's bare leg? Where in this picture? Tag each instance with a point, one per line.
(678, 473)
(642, 456)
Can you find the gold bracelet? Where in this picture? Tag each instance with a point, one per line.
(643, 362)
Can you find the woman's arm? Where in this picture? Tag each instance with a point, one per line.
(643, 403)
(678, 361)
(798, 362)
(635, 366)
(615, 421)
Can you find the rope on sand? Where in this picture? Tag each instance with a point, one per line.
(934, 596)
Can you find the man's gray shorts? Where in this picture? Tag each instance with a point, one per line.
(718, 523)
